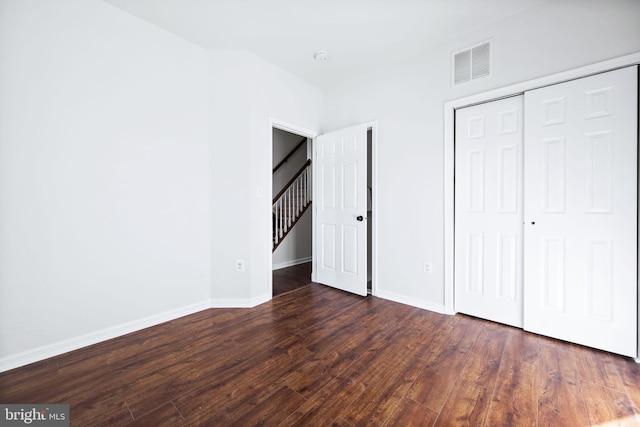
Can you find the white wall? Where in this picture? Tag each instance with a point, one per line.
(104, 176)
(407, 102)
(247, 93)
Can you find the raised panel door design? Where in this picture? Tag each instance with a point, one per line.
(553, 273)
(475, 128)
(350, 254)
(350, 193)
(581, 282)
(553, 111)
(508, 122)
(598, 103)
(351, 144)
(328, 148)
(600, 280)
(509, 168)
(476, 181)
(600, 172)
(508, 281)
(554, 173)
(475, 263)
(328, 247)
(489, 213)
(328, 180)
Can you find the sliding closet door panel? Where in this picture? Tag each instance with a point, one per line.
(488, 211)
(581, 211)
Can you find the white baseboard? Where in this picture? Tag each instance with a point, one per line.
(291, 263)
(56, 349)
(414, 302)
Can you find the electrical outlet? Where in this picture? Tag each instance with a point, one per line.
(239, 265)
(428, 267)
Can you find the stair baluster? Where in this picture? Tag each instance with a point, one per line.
(290, 203)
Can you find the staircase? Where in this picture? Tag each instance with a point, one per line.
(292, 201)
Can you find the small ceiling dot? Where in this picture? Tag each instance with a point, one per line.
(321, 56)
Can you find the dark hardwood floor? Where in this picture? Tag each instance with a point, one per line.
(291, 278)
(319, 356)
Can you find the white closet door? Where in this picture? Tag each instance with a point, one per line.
(581, 211)
(488, 211)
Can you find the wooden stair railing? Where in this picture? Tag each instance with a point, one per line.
(286, 158)
(290, 203)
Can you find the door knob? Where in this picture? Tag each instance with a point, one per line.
(360, 218)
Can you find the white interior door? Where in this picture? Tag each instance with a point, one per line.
(340, 216)
(581, 211)
(488, 211)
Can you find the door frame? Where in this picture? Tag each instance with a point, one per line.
(312, 134)
(449, 151)
(298, 130)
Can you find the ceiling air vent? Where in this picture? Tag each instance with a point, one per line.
(472, 63)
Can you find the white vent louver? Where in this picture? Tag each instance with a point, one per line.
(472, 63)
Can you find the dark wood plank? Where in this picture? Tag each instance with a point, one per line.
(484, 357)
(515, 400)
(166, 415)
(178, 377)
(560, 401)
(343, 340)
(522, 346)
(386, 381)
(597, 367)
(449, 353)
(320, 356)
(324, 407)
(99, 411)
(411, 414)
(270, 411)
(339, 422)
(470, 399)
(629, 372)
(389, 372)
(289, 279)
(245, 387)
(17, 385)
(608, 407)
(467, 407)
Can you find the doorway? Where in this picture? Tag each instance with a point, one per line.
(294, 254)
(291, 212)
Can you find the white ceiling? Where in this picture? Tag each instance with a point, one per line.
(357, 34)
